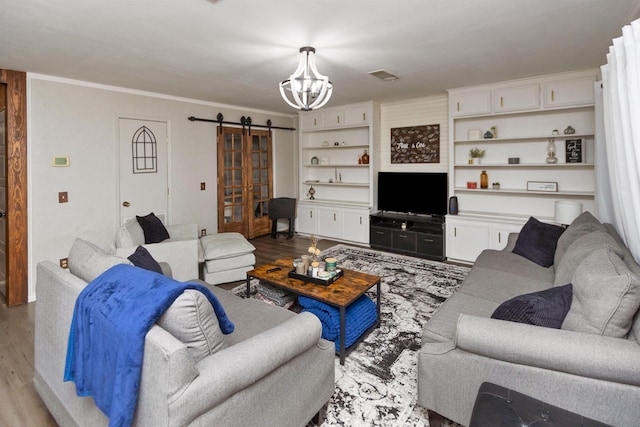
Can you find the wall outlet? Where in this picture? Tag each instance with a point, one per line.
(64, 262)
(203, 232)
(63, 197)
(203, 186)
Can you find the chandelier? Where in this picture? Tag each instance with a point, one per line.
(309, 89)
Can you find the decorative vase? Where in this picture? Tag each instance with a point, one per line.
(484, 180)
(365, 158)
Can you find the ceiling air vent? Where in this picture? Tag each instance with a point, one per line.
(383, 75)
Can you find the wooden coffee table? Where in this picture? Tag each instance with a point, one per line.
(341, 293)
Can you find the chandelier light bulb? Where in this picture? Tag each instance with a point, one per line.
(308, 89)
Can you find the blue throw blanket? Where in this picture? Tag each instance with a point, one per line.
(111, 318)
(360, 316)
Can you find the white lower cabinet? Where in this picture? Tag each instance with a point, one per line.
(307, 219)
(355, 225)
(500, 235)
(467, 236)
(329, 222)
(466, 239)
(333, 221)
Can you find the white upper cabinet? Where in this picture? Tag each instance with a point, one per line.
(337, 117)
(332, 118)
(567, 93)
(517, 98)
(311, 120)
(471, 103)
(358, 115)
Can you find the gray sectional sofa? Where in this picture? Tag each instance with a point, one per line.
(273, 370)
(590, 366)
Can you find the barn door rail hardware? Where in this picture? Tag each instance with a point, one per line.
(244, 122)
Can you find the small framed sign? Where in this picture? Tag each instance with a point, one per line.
(574, 151)
(542, 186)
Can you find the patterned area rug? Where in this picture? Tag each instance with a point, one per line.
(377, 386)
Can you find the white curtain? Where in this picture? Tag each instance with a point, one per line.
(618, 190)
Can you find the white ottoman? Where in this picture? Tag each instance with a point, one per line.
(227, 257)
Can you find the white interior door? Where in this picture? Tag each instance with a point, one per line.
(144, 184)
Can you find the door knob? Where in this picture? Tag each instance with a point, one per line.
(126, 204)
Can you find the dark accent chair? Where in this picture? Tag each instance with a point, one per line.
(282, 208)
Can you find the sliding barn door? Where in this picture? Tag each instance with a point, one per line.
(245, 183)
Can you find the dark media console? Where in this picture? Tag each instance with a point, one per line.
(416, 235)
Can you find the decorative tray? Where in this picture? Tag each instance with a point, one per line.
(316, 280)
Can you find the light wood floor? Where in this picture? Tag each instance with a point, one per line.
(20, 405)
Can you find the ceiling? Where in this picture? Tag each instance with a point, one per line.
(237, 51)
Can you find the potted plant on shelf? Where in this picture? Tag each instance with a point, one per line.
(475, 154)
(496, 185)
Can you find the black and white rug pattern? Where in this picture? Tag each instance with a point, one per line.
(377, 385)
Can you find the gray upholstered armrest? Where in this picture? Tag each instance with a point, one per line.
(589, 355)
(511, 242)
(231, 370)
(166, 268)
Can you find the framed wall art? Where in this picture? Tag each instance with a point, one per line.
(415, 144)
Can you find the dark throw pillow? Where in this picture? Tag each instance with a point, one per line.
(537, 242)
(143, 259)
(153, 229)
(546, 308)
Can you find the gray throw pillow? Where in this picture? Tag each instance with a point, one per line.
(130, 234)
(537, 242)
(606, 295)
(546, 308)
(583, 224)
(88, 261)
(579, 250)
(191, 319)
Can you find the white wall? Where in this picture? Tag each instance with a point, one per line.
(414, 112)
(79, 120)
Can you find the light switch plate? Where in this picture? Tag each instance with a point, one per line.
(63, 197)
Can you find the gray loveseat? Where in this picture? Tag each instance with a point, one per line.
(273, 370)
(590, 366)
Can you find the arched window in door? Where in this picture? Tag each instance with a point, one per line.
(144, 150)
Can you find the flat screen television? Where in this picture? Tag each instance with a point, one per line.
(423, 193)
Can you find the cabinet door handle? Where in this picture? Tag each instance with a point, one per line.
(404, 236)
(380, 232)
(334, 217)
(458, 106)
(310, 214)
(360, 220)
(315, 123)
(501, 102)
(499, 237)
(338, 118)
(364, 117)
(553, 96)
(455, 232)
(428, 240)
